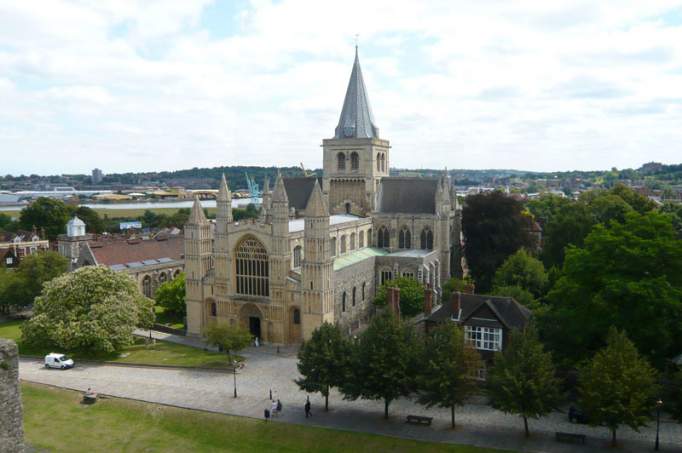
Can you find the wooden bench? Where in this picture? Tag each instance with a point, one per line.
(419, 420)
(570, 438)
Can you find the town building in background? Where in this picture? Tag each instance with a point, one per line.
(15, 246)
(97, 176)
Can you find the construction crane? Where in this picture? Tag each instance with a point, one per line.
(254, 191)
(306, 172)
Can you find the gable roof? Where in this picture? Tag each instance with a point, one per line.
(110, 252)
(408, 195)
(298, 190)
(509, 312)
(356, 120)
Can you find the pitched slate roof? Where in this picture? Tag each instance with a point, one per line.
(408, 195)
(110, 252)
(298, 190)
(509, 312)
(356, 119)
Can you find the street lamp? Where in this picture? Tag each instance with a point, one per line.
(234, 374)
(659, 404)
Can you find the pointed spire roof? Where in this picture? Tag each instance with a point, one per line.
(224, 190)
(280, 193)
(356, 119)
(197, 216)
(316, 206)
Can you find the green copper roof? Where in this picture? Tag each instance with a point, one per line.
(357, 257)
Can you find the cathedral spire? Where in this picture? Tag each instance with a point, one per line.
(197, 217)
(316, 206)
(280, 193)
(224, 191)
(356, 119)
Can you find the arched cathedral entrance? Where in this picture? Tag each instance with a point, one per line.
(250, 318)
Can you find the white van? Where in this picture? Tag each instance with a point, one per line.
(55, 360)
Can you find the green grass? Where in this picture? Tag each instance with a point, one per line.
(54, 420)
(140, 353)
(168, 319)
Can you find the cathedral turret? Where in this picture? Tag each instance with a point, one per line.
(280, 256)
(198, 251)
(266, 205)
(355, 159)
(223, 263)
(317, 268)
(444, 232)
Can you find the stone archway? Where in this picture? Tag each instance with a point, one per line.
(295, 325)
(251, 319)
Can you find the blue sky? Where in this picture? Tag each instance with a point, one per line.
(141, 85)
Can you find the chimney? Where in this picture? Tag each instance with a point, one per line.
(393, 295)
(456, 304)
(428, 301)
(469, 288)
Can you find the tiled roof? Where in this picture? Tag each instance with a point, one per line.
(408, 195)
(110, 252)
(298, 190)
(510, 313)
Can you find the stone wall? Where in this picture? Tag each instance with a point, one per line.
(11, 414)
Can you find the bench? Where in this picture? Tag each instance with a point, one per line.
(570, 438)
(419, 420)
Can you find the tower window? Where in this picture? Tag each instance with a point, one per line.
(405, 238)
(333, 246)
(426, 239)
(297, 256)
(341, 161)
(378, 161)
(353, 297)
(343, 302)
(348, 208)
(297, 316)
(354, 161)
(383, 238)
(363, 290)
(252, 268)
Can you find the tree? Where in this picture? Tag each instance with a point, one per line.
(618, 387)
(93, 309)
(93, 222)
(568, 226)
(519, 294)
(456, 284)
(523, 380)
(323, 361)
(674, 397)
(628, 275)
(46, 213)
(494, 227)
(171, 295)
(228, 338)
(7, 223)
(447, 370)
(411, 295)
(22, 285)
(382, 362)
(524, 271)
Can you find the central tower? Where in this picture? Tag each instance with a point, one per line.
(356, 158)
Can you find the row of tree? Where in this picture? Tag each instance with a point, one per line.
(617, 387)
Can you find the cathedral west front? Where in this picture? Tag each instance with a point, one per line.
(322, 246)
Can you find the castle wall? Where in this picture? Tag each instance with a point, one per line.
(11, 412)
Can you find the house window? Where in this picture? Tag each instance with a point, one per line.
(341, 161)
(484, 338)
(352, 241)
(426, 239)
(252, 268)
(297, 256)
(383, 239)
(343, 244)
(386, 276)
(405, 238)
(354, 161)
(361, 240)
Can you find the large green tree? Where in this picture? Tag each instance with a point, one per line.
(447, 369)
(93, 309)
(411, 295)
(45, 213)
(618, 387)
(494, 227)
(22, 285)
(382, 362)
(227, 337)
(522, 270)
(522, 380)
(171, 295)
(324, 361)
(628, 275)
(93, 222)
(568, 226)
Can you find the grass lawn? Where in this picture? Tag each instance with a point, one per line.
(168, 319)
(160, 353)
(54, 420)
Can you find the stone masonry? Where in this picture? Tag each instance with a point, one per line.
(11, 414)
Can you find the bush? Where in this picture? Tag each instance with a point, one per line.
(411, 295)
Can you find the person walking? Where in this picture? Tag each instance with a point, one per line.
(274, 409)
(266, 414)
(279, 406)
(307, 408)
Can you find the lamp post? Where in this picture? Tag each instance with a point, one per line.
(659, 403)
(234, 375)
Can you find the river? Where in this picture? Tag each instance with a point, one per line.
(236, 203)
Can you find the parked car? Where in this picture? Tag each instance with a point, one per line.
(56, 360)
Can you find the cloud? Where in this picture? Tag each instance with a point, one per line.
(155, 85)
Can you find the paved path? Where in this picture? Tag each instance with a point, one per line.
(478, 424)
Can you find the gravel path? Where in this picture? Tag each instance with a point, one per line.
(478, 424)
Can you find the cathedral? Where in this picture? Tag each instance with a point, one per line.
(322, 246)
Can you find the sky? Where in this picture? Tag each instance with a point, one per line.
(147, 85)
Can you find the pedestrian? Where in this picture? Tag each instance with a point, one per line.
(266, 414)
(279, 406)
(257, 342)
(307, 409)
(274, 409)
